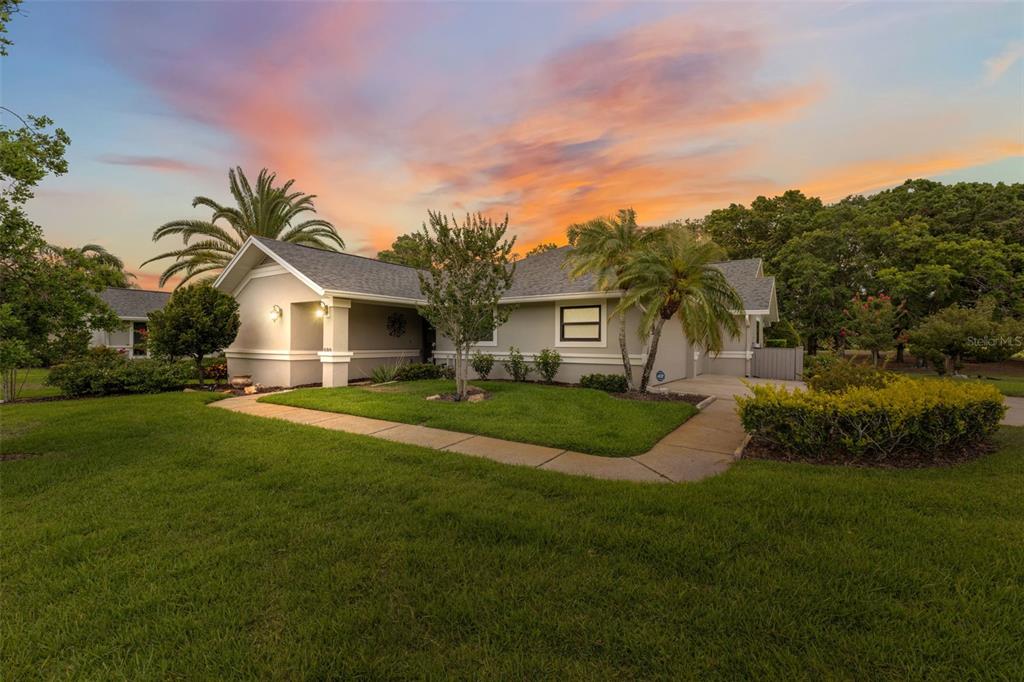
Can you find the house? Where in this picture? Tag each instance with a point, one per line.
(314, 316)
(133, 306)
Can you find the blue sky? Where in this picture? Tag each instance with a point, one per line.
(550, 112)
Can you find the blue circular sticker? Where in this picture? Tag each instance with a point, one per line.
(660, 376)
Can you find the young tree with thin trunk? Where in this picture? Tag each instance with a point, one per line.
(470, 269)
(674, 274)
(604, 247)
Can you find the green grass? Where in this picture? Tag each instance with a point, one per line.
(35, 384)
(1011, 386)
(580, 419)
(156, 538)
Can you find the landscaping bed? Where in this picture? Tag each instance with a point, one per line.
(160, 539)
(578, 419)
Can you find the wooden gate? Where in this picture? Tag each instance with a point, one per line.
(777, 363)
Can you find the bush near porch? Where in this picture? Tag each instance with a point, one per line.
(904, 421)
(579, 419)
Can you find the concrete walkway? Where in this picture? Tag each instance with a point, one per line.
(703, 446)
(1014, 412)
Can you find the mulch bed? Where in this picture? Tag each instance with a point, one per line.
(691, 398)
(477, 395)
(757, 449)
(15, 456)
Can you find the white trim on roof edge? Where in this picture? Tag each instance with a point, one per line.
(251, 241)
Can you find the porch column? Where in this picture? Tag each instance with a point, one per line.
(335, 356)
(747, 348)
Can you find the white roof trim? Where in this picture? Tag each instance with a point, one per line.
(252, 242)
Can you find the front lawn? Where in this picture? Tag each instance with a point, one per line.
(35, 384)
(580, 419)
(151, 537)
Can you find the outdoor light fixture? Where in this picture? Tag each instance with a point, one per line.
(275, 313)
(323, 311)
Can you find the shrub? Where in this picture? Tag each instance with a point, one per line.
(217, 370)
(382, 374)
(832, 374)
(103, 371)
(547, 362)
(482, 364)
(516, 365)
(415, 371)
(903, 419)
(613, 383)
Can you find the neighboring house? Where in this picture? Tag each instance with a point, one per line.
(133, 306)
(314, 316)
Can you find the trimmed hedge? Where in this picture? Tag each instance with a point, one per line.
(102, 371)
(613, 383)
(905, 419)
(414, 371)
(832, 374)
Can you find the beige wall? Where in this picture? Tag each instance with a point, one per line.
(534, 326)
(259, 332)
(367, 328)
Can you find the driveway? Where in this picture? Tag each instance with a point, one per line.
(720, 385)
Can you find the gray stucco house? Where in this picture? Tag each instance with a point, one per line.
(315, 316)
(133, 306)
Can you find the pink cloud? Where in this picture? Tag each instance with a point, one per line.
(159, 163)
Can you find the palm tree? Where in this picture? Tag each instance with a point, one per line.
(604, 247)
(268, 211)
(674, 274)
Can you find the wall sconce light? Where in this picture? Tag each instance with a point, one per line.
(276, 313)
(323, 310)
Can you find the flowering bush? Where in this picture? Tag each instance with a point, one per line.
(904, 419)
(482, 364)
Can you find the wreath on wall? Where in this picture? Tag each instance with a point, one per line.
(396, 324)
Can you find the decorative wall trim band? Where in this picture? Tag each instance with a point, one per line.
(270, 354)
(360, 354)
(567, 358)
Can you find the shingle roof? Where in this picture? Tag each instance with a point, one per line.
(539, 275)
(335, 271)
(134, 302)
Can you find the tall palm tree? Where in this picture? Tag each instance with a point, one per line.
(266, 211)
(674, 274)
(604, 247)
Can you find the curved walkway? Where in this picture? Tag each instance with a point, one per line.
(705, 445)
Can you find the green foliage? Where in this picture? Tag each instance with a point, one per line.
(674, 274)
(482, 364)
(516, 366)
(266, 211)
(928, 245)
(612, 383)
(7, 8)
(470, 269)
(415, 371)
(104, 371)
(950, 335)
(408, 249)
(386, 372)
(215, 369)
(904, 419)
(196, 321)
(543, 247)
(872, 323)
(782, 334)
(604, 247)
(832, 374)
(548, 362)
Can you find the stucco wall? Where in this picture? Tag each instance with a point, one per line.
(368, 330)
(258, 331)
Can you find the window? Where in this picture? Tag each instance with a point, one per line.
(580, 323)
(139, 334)
(490, 338)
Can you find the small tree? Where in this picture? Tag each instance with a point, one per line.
(470, 269)
(872, 323)
(197, 321)
(953, 333)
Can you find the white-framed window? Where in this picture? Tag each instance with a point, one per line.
(491, 341)
(580, 324)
